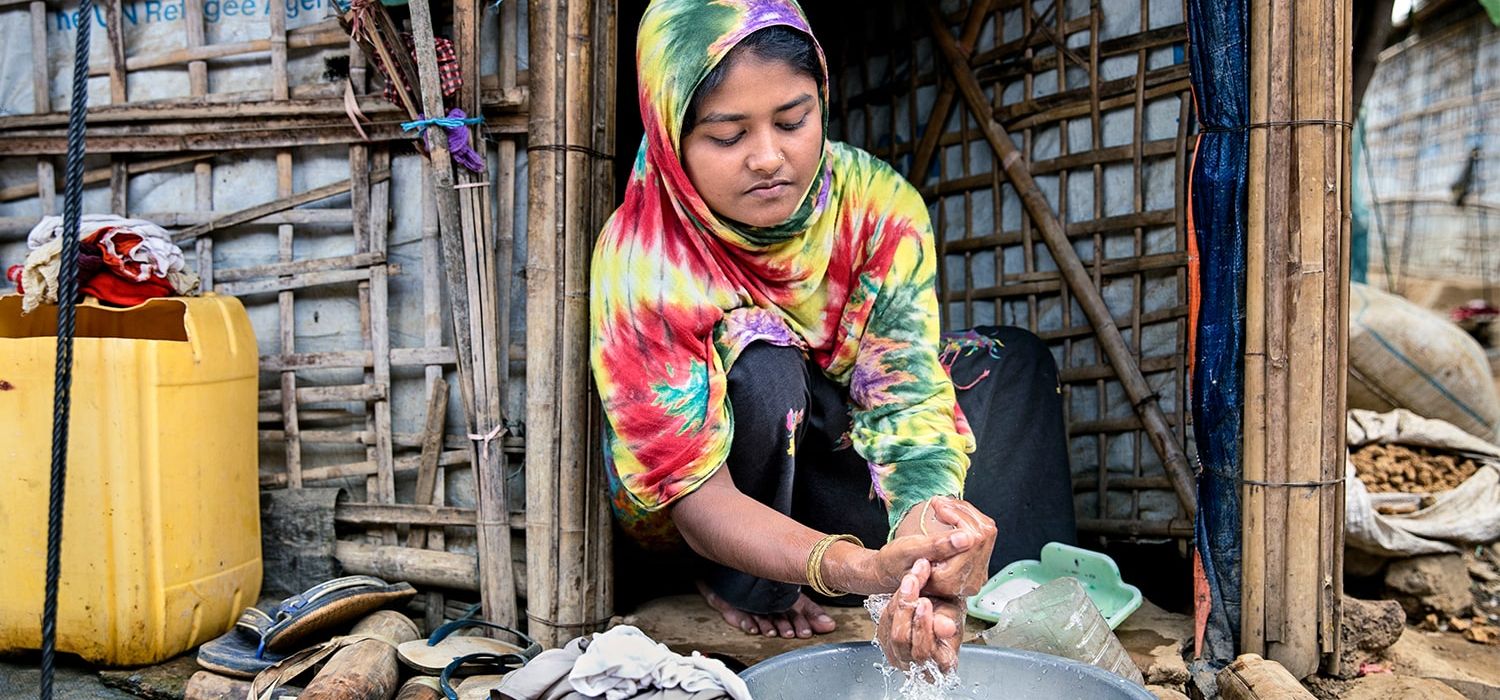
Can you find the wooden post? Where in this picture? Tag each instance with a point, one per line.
(1251, 677)
(567, 530)
(1146, 402)
(366, 669)
(420, 688)
(1296, 331)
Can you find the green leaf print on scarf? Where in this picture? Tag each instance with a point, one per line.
(688, 400)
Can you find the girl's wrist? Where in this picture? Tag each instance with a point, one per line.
(849, 567)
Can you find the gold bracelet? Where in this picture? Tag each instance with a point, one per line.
(815, 563)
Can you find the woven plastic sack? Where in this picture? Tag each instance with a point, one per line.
(1469, 514)
(1404, 356)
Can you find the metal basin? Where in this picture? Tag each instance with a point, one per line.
(848, 672)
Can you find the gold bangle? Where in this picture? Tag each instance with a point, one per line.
(815, 563)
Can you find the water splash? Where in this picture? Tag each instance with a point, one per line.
(925, 682)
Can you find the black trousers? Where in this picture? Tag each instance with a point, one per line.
(1018, 476)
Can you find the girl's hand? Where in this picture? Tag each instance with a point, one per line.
(961, 575)
(911, 630)
(870, 572)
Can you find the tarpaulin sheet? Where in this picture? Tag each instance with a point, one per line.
(1219, 66)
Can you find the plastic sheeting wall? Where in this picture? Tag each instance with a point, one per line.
(1433, 102)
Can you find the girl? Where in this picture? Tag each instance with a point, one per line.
(767, 350)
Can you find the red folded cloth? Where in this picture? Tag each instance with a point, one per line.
(115, 290)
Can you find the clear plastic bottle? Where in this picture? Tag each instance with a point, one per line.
(1059, 619)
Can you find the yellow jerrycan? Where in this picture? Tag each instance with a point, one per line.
(161, 534)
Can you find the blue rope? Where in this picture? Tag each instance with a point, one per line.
(445, 122)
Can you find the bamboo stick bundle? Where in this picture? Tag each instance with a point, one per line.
(1296, 331)
(567, 529)
(467, 268)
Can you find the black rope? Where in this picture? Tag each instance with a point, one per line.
(1292, 484)
(67, 298)
(570, 148)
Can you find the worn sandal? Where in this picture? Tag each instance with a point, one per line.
(259, 639)
(438, 651)
(237, 653)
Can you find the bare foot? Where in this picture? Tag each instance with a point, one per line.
(804, 620)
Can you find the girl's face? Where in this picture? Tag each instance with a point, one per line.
(757, 143)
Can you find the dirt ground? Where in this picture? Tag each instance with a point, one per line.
(19, 678)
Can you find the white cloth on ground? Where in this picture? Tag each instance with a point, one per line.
(623, 662)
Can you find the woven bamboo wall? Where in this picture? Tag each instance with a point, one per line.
(230, 128)
(1096, 97)
(1432, 101)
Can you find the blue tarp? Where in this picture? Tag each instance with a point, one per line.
(1219, 65)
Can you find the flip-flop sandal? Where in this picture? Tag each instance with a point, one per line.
(435, 653)
(258, 639)
(237, 653)
(495, 666)
(300, 619)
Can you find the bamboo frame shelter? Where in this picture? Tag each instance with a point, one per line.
(1052, 140)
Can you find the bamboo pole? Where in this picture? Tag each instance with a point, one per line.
(280, 204)
(432, 334)
(498, 586)
(432, 447)
(1141, 396)
(546, 194)
(1253, 500)
(41, 90)
(1334, 515)
(599, 530)
(98, 175)
(419, 567)
(119, 180)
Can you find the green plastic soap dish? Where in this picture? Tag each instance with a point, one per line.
(1097, 573)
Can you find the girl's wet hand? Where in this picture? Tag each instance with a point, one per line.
(891, 563)
(911, 631)
(962, 575)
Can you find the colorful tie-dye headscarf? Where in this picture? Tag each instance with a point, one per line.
(678, 293)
